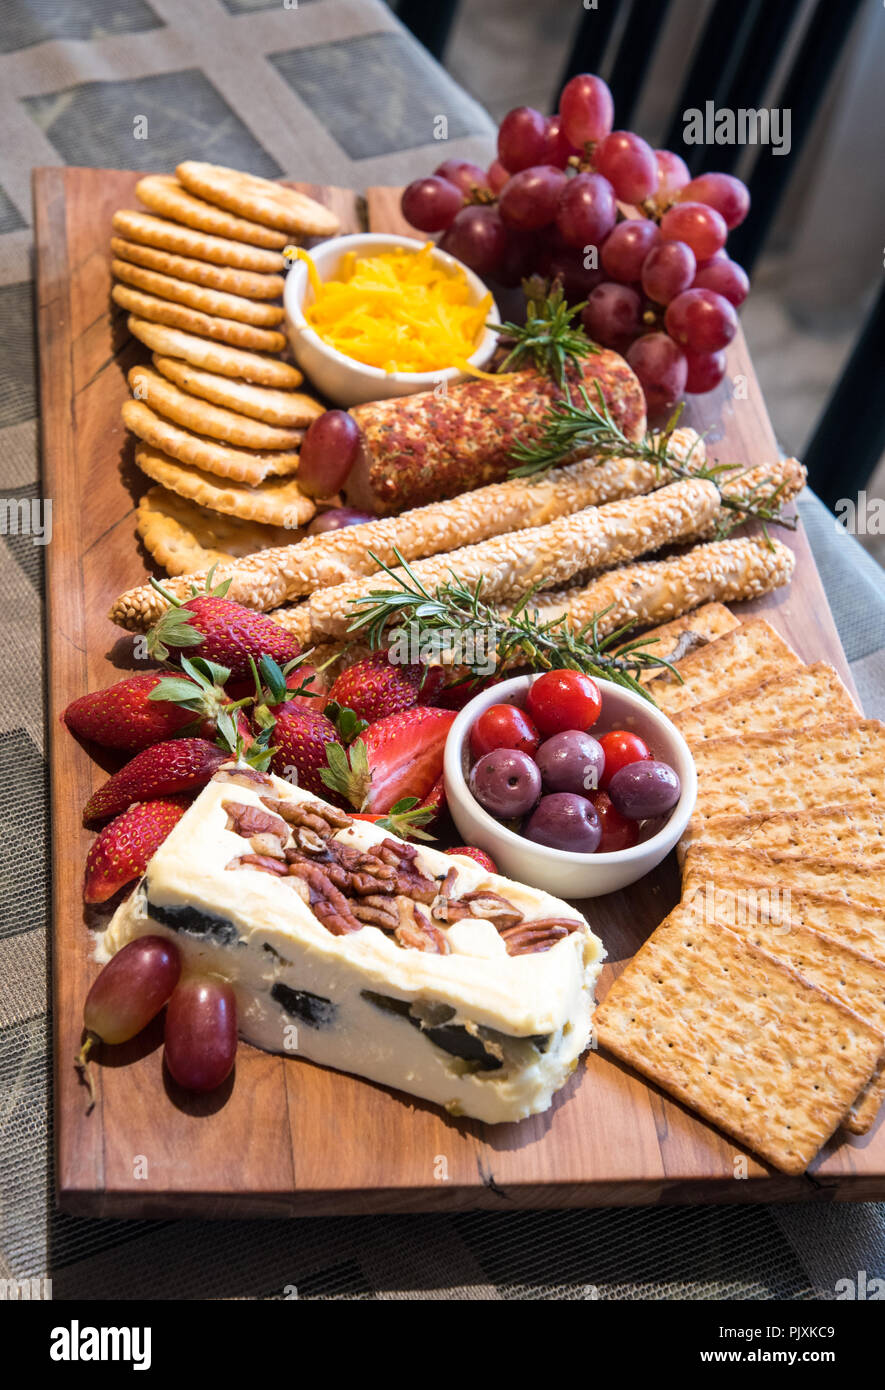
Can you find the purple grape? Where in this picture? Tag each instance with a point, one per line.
(565, 821)
(335, 518)
(571, 761)
(644, 790)
(505, 782)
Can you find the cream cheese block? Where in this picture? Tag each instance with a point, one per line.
(471, 991)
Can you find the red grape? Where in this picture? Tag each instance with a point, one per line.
(700, 227)
(335, 518)
(477, 237)
(130, 991)
(661, 367)
(668, 270)
(329, 450)
(587, 210)
(628, 163)
(701, 320)
(558, 149)
(724, 192)
(613, 315)
(201, 1033)
(564, 263)
(673, 174)
(529, 200)
(521, 138)
(626, 247)
(518, 259)
(431, 204)
(726, 277)
(464, 175)
(497, 176)
(705, 371)
(587, 109)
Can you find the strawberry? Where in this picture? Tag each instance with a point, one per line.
(121, 851)
(457, 696)
(301, 738)
(179, 765)
(398, 756)
(311, 679)
(225, 631)
(376, 687)
(125, 715)
(479, 855)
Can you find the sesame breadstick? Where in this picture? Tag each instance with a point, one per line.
(278, 575)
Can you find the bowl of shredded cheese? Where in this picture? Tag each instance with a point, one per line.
(375, 315)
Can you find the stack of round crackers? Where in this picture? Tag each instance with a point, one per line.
(218, 414)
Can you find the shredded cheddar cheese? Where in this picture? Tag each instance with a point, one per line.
(399, 310)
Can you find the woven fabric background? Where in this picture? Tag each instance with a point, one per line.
(333, 91)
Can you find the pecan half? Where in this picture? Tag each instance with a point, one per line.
(248, 820)
(376, 911)
(529, 938)
(312, 815)
(421, 934)
(494, 907)
(325, 900)
(259, 861)
(243, 777)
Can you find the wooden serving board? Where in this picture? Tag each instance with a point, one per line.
(286, 1136)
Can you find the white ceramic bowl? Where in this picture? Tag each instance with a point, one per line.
(558, 871)
(342, 379)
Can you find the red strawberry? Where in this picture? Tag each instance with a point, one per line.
(479, 855)
(315, 681)
(122, 716)
(180, 765)
(301, 738)
(456, 696)
(224, 631)
(396, 757)
(376, 687)
(121, 851)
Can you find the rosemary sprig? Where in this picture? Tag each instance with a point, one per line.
(571, 426)
(455, 611)
(549, 339)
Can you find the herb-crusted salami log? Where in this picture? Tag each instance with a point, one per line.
(423, 448)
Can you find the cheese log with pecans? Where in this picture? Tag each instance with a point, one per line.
(357, 950)
(433, 445)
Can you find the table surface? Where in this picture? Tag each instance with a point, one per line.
(203, 75)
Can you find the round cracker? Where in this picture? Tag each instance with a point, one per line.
(226, 306)
(272, 204)
(165, 195)
(194, 414)
(148, 306)
(243, 465)
(227, 279)
(285, 409)
(214, 357)
(144, 230)
(275, 502)
(186, 538)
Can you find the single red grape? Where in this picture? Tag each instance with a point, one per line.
(497, 176)
(705, 371)
(701, 320)
(661, 367)
(431, 204)
(612, 315)
(673, 174)
(130, 991)
(627, 246)
(477, 237)
(329, 450)
(724, 192)
(558, 149)
(464, 175)
(521, 138)
(201, 1033)
(700, 227)
(668, 269)
(587, 210)
(335, 518)
(587, 109)
(557, 261)
(530, 199)
(617, 831)
(628, 163)
(726, 277)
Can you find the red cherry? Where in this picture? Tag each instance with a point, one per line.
(617, 831)
(560, 700)
(503, 726)
(620, 748)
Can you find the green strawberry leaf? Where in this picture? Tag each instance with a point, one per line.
(348, 724)
(350, 776)
(274, 680)
(178, 691)
(405, 819)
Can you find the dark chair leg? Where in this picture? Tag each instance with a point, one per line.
(430, 21)
(635, 52)
(718, 50)
(750, 79)
(850, 436)
(588, 49)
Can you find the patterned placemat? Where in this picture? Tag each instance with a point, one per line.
(332, 91)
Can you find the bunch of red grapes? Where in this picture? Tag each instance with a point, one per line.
(659, 288)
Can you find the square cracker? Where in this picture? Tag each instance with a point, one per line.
(740, 1037)
(679, 637)
(852, 880)
(799, 699)
(838, 832)
(740, 659)
(834, 765)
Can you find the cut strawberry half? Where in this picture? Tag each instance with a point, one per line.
(396, 757)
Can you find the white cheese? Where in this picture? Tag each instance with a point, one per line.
(357, 1002)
